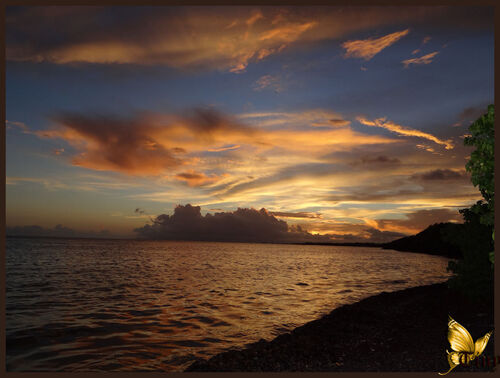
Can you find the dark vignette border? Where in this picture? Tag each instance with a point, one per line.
(490, 3)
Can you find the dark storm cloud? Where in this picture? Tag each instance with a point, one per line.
(441, 175)
(247, 225)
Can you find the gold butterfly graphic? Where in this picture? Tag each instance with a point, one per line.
(463, 347)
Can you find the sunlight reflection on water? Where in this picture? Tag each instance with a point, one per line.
(91, 305)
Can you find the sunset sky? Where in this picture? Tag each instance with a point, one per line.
(346, 121)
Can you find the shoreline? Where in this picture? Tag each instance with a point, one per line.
(405, 330)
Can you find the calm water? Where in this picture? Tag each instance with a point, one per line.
(92, 305)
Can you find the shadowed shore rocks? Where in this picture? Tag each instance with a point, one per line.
(399, 331)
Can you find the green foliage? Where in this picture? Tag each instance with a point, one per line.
(474, 274)
(482, 161)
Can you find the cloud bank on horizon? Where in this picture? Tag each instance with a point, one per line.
(356, 115)
(243, 225)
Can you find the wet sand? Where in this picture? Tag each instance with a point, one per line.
(400, 331)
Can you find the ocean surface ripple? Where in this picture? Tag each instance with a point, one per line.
(118, 305)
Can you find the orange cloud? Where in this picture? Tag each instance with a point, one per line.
(368, 48)
(402, 130)
(147, 144)
(106, 143)
(195, 179)
(254, 18)
(426, 59)
(184, 38)
(425, 147)
(191, 37)
(152, 144)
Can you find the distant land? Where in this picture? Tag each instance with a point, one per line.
(430, 241)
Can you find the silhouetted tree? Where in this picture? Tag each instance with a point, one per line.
(474, 273)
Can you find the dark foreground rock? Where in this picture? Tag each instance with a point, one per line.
(400, 331)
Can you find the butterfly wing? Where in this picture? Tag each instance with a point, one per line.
(481, 343)
(453, 360)
(459, 338)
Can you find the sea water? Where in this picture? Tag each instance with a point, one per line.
(122, 305)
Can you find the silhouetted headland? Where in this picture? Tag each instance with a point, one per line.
(434, 240)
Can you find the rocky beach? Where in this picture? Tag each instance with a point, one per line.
(399, 331)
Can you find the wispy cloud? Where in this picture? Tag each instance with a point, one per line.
(306, 118)
(300, 214)
(224, 148)
(425, 59)
(180, 38)
(442, 175)
(378, 160)
(268, 82)
(254, 18)
(212, 38)
(49, 183)
(426, 147)
(20, 125)
(196, 179)
(368, 48)
(403, 130)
